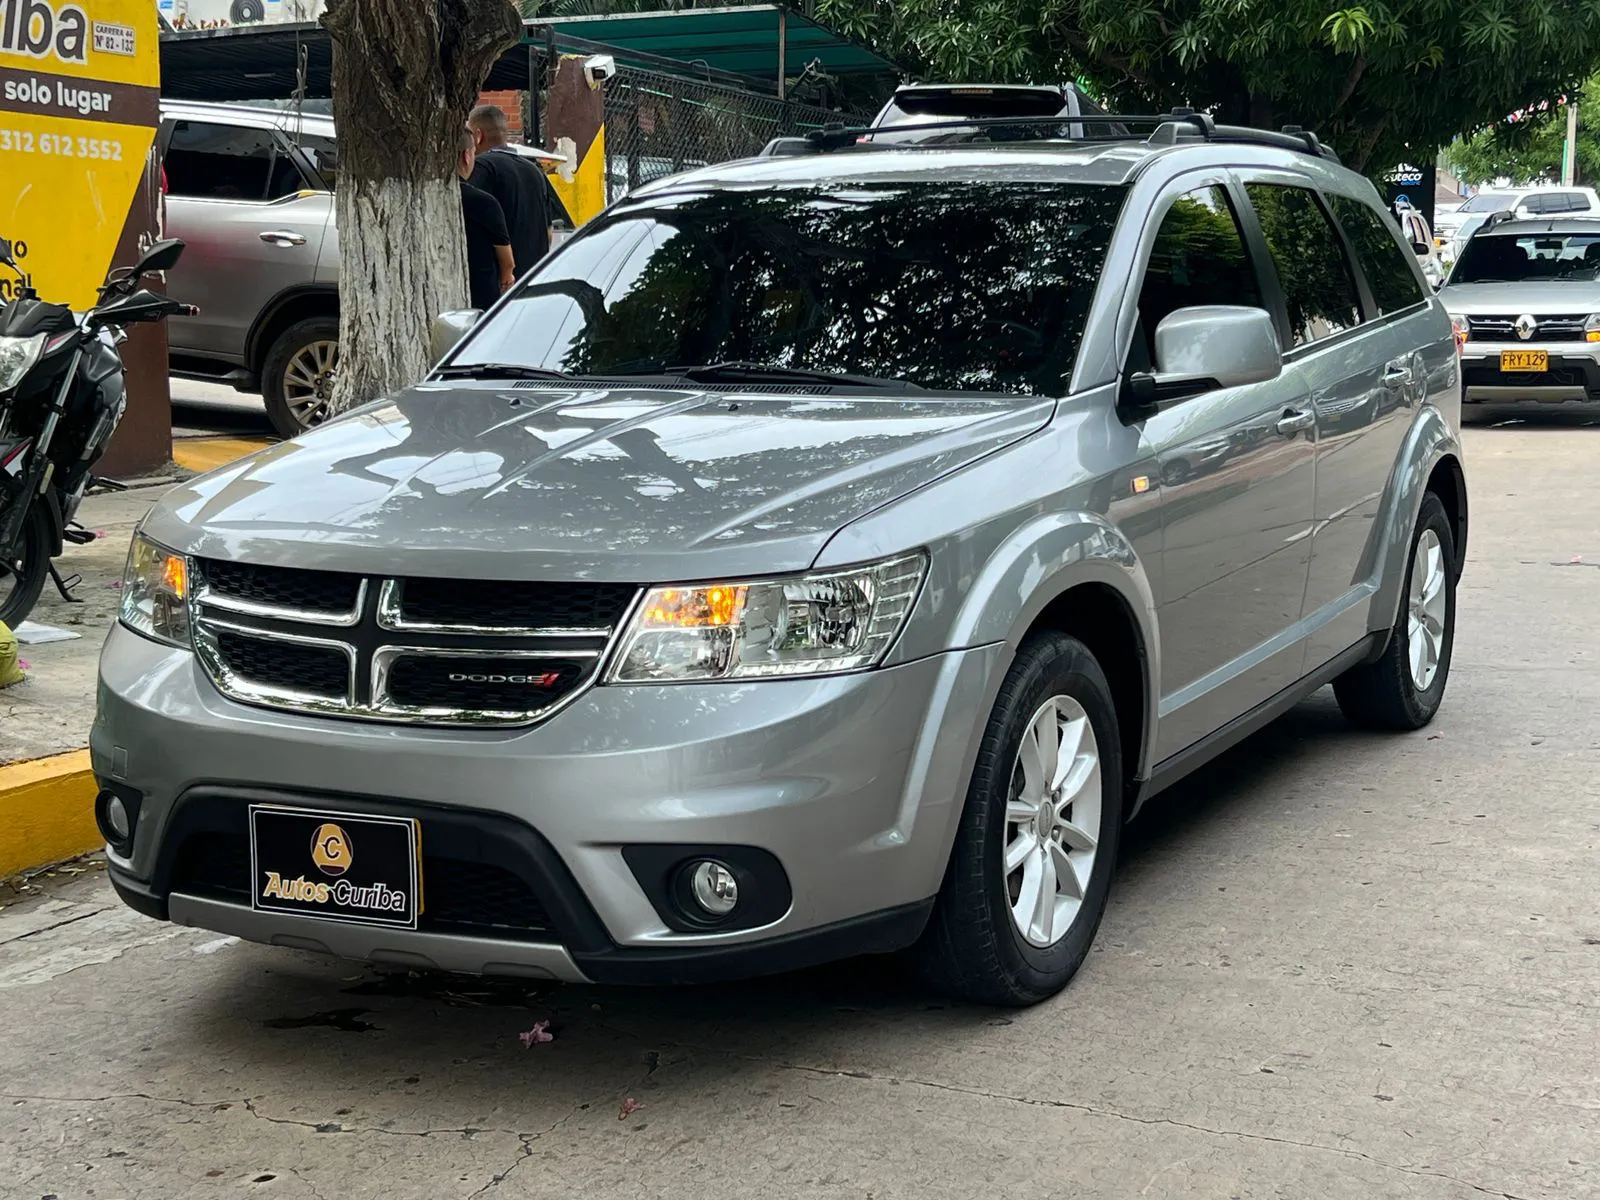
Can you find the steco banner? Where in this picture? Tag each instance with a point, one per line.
(79, 107)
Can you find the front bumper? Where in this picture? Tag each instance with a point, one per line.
(1573, 376)
(852, 784)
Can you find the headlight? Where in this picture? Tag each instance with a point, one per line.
(1463, 328)
(814, 624)
(16, 356)
(155, 593)
(1591, 328)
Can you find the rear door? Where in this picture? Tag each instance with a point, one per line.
(1358, 358)
(1235, 471)
(238, 199)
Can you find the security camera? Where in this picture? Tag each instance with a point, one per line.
(599, 67)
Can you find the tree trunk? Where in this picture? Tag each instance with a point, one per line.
(405, 75)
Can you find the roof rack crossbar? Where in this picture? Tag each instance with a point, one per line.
(1181, 124)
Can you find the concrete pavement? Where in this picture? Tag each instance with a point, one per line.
(1335, 965)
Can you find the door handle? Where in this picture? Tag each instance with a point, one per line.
(1398, 375)
(1294, 420)
(282, 237)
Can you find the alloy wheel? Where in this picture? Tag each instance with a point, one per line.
(308, 382)
(1426, 609)
(1052, 820)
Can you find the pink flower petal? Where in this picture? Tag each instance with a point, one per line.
(22, 664)
(630, 1105)
(538, 1034)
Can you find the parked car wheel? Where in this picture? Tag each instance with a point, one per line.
(1031, 868)
(297, 377)
(1402, 690)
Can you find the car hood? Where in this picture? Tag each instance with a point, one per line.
(628, 485)
(1540, 298)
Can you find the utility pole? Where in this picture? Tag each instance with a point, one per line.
(1569, 151)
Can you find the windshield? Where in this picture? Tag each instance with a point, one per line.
(1505, 258)
(947, 286)
(1485, 202)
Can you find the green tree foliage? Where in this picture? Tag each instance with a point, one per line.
(1530, 149)
(1383, 80)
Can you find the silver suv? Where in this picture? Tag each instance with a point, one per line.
(1525, 300)
(817, 555)
(250, 193)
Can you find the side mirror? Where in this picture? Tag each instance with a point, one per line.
(162, 256)
(448, 329)
(1523, 212)
(1420, 249)
(1208, 348)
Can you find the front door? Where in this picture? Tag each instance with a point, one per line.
(250, 228)
(1235, 470)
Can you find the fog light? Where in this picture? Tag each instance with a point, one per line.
(117, 819)
(713, 887)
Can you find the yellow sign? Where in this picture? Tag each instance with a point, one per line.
(79, 108)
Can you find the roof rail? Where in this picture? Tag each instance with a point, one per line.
(1170, 128)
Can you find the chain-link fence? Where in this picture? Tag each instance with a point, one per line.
(659, 124)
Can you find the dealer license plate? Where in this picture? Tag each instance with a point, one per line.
(1524, 360)
(335, 866)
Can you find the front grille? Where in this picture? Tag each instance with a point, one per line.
(480, 684)
(513, 605)
(458, 895)
(445, 652)
(283, 587)
(286, 666)
(1547, 329)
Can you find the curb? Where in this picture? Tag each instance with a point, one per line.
(46, 812)
(202, 454)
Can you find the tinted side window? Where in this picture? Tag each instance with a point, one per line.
(1572, 202)
(323, 154)
(1198, 258)
(1317, 282)
(1539, 204)
(1394, 284)
(225, 162)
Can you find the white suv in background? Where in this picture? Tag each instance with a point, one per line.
(1452, 229)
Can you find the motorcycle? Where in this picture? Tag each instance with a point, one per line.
(62, 393)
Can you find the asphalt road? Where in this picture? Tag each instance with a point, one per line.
(1336, 965)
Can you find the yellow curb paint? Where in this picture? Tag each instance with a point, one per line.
(209, 453)
(46, 811)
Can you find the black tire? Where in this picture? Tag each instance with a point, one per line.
(1383, 695)
(21, 582)
(972, 948)
(286, 418)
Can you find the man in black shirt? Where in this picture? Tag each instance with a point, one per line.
(519, 184)
(490, 269)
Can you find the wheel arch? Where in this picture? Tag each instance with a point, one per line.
(287, 308)
(1430, 460)
(1078, 574)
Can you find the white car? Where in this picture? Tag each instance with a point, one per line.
(1452, 229)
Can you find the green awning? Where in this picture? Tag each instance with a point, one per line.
(740, 41)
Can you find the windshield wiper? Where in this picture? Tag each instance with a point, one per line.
(499, 371)
(751, 372)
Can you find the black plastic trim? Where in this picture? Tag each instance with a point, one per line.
(882, 932)
(1176, 766)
